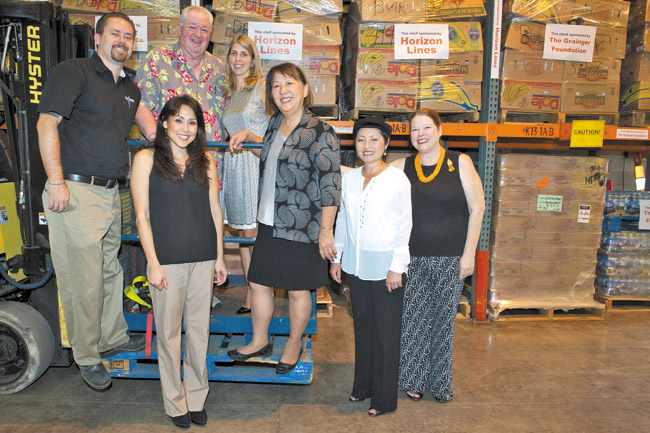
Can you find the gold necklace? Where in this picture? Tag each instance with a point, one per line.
(418, 167)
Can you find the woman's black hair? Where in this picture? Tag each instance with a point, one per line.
(163, 159)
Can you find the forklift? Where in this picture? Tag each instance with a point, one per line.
(35, 36)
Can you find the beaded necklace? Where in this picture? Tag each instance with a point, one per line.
(418, 167)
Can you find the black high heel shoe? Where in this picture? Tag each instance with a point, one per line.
(236, 355)
(284, 368)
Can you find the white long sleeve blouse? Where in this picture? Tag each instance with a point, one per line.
(374, 224)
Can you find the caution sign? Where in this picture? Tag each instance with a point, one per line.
(587, 133)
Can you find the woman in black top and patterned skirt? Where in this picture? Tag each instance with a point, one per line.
(299, 192)
(176, 199)
(448, 205)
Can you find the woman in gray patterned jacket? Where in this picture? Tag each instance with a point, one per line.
(299, 192)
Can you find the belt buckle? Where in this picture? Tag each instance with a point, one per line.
(112, 183)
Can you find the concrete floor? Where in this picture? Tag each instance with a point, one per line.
(578, 376)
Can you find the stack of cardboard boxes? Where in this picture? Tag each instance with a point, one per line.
(531, 83)
(545, 234)
(635, 71)
(376, 81)
(321, 54)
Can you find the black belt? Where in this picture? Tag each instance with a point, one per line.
(95, 180)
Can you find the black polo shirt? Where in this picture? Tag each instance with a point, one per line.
(98, 114)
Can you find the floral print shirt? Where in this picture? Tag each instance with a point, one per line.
(165, 73)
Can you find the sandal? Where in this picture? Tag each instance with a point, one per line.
(353, 398)
(374, 412)
(415, 396)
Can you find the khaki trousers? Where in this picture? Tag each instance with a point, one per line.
(84, 242)
(187, 299)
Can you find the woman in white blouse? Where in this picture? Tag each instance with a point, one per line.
(372, 235)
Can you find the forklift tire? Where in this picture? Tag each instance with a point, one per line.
(26, 346)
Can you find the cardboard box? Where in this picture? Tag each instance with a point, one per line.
(639, 13)
(529, 36)
(603, 13)
(326, 31)
(530, 66)
(463, 36)
(639, 39)
(96, 6)
(589, 97)
(382, 65)
(301, 11)
(386, 95)
(166, 8)
(530, 96)
(316, 60)
(636, 96)
(400, 11)
(635, 67)
(162, 28)
(264, 10)
(324, 89)
(225, 27)
(466, 65)
(452, 10)
(600, 69)
(443, 94)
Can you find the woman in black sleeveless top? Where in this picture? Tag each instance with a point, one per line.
(176, 199)
(448, 205)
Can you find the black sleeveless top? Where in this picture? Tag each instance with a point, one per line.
(181, 221)
(440, 212)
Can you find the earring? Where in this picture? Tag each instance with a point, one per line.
(384, 153)
(166, 133)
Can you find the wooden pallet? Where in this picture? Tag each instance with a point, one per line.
(634, 118)
(617, 303)
(327, 112)
(387, 115)
(466, 117)
(464, 309)
(324, 304)
(543, 314)
(511, 116)
(609, 118)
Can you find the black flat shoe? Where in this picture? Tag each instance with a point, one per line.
(199, 417)
(415, 396)
(353, 398)
(235, 355)
(182, 421)
(442, 400)
(243, 310)
(284, 368)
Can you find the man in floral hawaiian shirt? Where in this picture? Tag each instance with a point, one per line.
(184, 68)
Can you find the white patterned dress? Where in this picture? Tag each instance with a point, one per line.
(244, 111)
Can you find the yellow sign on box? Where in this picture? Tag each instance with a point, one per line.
(587, 133)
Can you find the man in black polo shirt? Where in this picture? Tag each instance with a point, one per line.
(86, 112)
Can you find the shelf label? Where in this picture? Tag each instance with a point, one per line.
(549, 203)
(635, 134)
(279, 41)
(539, 131)
(569, 42)
(497, 13)
(644, 215)
(587, 133)
(421, 41)
(584, 211)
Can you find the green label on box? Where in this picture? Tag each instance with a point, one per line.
(549, 203)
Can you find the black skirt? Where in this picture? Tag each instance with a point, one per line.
(284, 264)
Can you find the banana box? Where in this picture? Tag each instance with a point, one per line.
(316, 60)
(382, 65)
(444, 94)
(301, 11)
(639, 13)
(148, 7)
(324, 89)
(104, 6)
(463, 36)
(264, 10)
(529, 36)
(635, 67)
(530, 96)
(600, 69)
(639, 39)
(386, 95)
(468, 66)
(605, 13)
(636, 96)
(589, 97)
(530, 66)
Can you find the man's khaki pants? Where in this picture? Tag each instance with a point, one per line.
(84, 242)
(187, 299)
